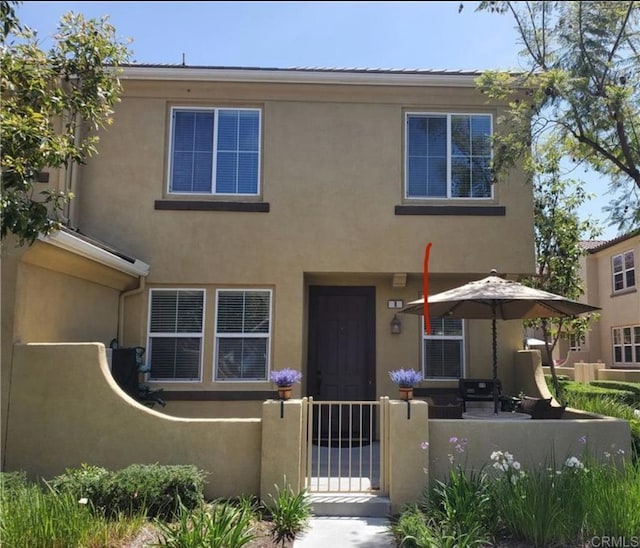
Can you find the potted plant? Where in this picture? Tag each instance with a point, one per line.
(284, 379)
(406, 379)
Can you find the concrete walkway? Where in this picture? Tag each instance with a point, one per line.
(346, 532)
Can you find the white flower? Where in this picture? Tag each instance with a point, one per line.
(424, 445)
(83, 500)
(516, 465)
(573, 462)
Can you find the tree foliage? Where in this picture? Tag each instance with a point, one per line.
(51, 102)
(558, 232)
(580, 85)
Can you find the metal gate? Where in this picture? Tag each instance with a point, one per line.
(346, 446)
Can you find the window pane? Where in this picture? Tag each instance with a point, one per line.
(460, 178)
(443, 358)
(226, 172)
(618, 282)
(192, 153)
(481, 135)
(243, 312)
(248, 173)
(460, 136)
(617, 336)
(626, 335)
(175, 358)
(230, 318)
(417, 177)
(481, 178)
(249, 131)
(631, 278)
(617, 354)
(617, 263)
(628, 260)
(628, 354)
(257, 312)
(426, 161)
(244, 359)
(228, 130)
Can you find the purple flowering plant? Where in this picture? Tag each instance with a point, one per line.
(285, 377)
(405, 378)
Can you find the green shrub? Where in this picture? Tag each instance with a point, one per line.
(86, 481)
(623, 396)
(223, 525)
(289, 512)
(158, 489)
(151, 488)
(11, 482)
(618, 385)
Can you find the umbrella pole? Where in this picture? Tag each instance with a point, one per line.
(495, 359)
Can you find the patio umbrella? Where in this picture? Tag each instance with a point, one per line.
(495, 298)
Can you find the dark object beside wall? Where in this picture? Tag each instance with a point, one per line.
(541, 408)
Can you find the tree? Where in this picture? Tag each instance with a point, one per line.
(558, 232)
(51, 102)
(581, 86)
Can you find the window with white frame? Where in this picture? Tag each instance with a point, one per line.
(443, 349)
(626, 345)
(448, 156)
(215, 151)
(624, 272)
(576, 343)
(242, 334)
(174, 347)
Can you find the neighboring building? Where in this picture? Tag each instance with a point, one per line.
(610, 274)
(271, 218)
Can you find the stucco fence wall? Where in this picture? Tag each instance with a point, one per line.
(65, 409)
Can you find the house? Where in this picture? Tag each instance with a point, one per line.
(609, 274)
(242, 220)
(280, 219)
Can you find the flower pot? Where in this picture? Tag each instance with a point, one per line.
(284, 392)
(406, 393)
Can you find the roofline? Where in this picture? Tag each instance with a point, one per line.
(301, 75)
(610, 243)
(70, 242)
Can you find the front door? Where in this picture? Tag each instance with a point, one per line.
(341, 360)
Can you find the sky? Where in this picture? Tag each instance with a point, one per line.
(386, 35)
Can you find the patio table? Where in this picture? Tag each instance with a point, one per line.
(488, 414)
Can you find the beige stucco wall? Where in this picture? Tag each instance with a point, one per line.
(619, 309)
(65, 410)
(331, 171)
(532, 443)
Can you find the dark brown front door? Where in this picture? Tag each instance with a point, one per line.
(341, 364)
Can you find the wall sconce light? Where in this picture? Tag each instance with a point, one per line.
(396, 325)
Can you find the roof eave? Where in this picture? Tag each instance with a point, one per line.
(207, 74)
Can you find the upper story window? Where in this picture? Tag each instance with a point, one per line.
(624, 272)
(443, 349)
(448, 156)
(215, 151)
(176, 320)
(243, 335)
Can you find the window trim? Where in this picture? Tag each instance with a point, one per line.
(448, 116)
(461, 338)
(201, 335)
(624, 271)
(268, 336)
(213, 193)
(632, 344)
